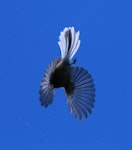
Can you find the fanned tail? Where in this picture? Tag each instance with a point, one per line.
(69, 43)
(80, 93)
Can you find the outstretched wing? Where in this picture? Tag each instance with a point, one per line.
(46, 89)
(80, 93)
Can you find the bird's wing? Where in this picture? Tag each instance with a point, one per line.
(69, 43)
(81, 94)
(46, 89)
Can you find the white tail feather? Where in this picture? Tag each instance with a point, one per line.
(69, 42)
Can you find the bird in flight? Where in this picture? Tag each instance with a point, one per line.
(76, 81)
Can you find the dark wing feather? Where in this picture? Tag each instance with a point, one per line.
(81, 98)
(46, 89)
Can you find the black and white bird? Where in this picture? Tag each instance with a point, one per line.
(76, 81)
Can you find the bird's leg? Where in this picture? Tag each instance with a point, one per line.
(74, 61)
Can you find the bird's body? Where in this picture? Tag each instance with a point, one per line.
(76, 81)
(61, 76)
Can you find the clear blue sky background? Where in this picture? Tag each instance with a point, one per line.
(29, 31)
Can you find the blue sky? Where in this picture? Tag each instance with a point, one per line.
(29, 33)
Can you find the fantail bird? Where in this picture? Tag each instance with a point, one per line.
(77, 82)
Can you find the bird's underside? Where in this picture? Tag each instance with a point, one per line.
(61, 76)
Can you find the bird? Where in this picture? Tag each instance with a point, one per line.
(77, 82)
